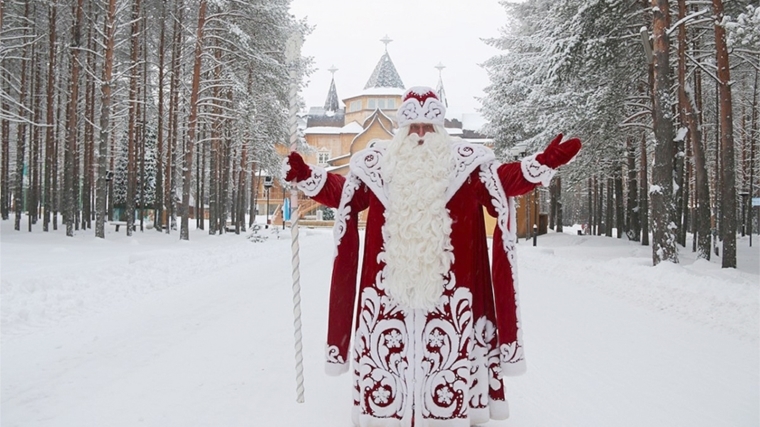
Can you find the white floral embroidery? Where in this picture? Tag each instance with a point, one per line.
(467, 157)
(435, 339)
(332, 354)
(366, 165)
(393, 339)
(312, 185)
(341, 217)
(445, 395)
(381, 396)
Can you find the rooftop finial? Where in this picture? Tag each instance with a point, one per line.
(440, 68)
(386, 40)
(332, 69)
(441, 91)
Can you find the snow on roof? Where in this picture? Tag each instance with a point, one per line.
(322, 130)
(387, 91)
(352, 127)
(454, 131)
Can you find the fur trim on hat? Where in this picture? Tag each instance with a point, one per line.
(420, 104)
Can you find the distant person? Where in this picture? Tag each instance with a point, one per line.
(436, 326)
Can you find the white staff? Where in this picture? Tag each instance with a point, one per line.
(292, 54)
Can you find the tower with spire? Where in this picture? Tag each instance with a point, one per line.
(332, 104)
(439, 87)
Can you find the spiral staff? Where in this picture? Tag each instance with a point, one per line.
(292, 53)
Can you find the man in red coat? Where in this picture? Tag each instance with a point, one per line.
(435, 326)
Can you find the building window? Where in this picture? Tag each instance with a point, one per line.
(371, 103)
(323, 157)
(355, 105)
(390, 103)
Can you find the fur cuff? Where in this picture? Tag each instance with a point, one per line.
(312, 185)
(499, 409)
(336, 369)
(512, 360)
(535, 172)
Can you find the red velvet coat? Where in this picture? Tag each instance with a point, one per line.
(428, 368)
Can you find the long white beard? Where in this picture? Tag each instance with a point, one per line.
(417, 232)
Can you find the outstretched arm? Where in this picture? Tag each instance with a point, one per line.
(313, 181)
(518, 178)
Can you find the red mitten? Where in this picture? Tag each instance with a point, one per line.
(557, 153)
(295, 168)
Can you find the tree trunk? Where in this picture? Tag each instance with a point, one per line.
(5, 133)
(552, 203)
(254, 189)
(601, 225)
(590, 221)
(619, 205)
(33, 195)
(610, 213)
(105, 117)
(89, 129)
(240, 223)
(192, 123)
(174, 114)
(644, 192)
(50, 156)
(144, 125)
(633, 224)
(159, 196)
(69, 190)
(226, 179)
(559, 203)
(752, 142)
(18, 193)
(663, 210)
(202, 179)
(133, 115)
(728, 178)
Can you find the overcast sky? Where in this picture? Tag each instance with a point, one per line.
(425, 32)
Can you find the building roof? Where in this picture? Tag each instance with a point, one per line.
(385, 75)
(351, 128)
(332, 103)
(319, 116)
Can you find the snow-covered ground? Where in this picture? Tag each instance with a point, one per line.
(152, 331)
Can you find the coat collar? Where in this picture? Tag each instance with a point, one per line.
(366, 165)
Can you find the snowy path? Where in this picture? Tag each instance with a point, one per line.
(202, 336)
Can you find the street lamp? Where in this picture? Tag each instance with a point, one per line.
(268, 183)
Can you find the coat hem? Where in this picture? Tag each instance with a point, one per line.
(336, 369)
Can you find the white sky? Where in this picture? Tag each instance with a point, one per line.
(425, 32)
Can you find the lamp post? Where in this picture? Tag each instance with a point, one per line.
(745, 207)
(268, 182)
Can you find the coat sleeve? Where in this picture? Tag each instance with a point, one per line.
(354, 199)
(500, 184)
(322, 186)
(518, 178)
